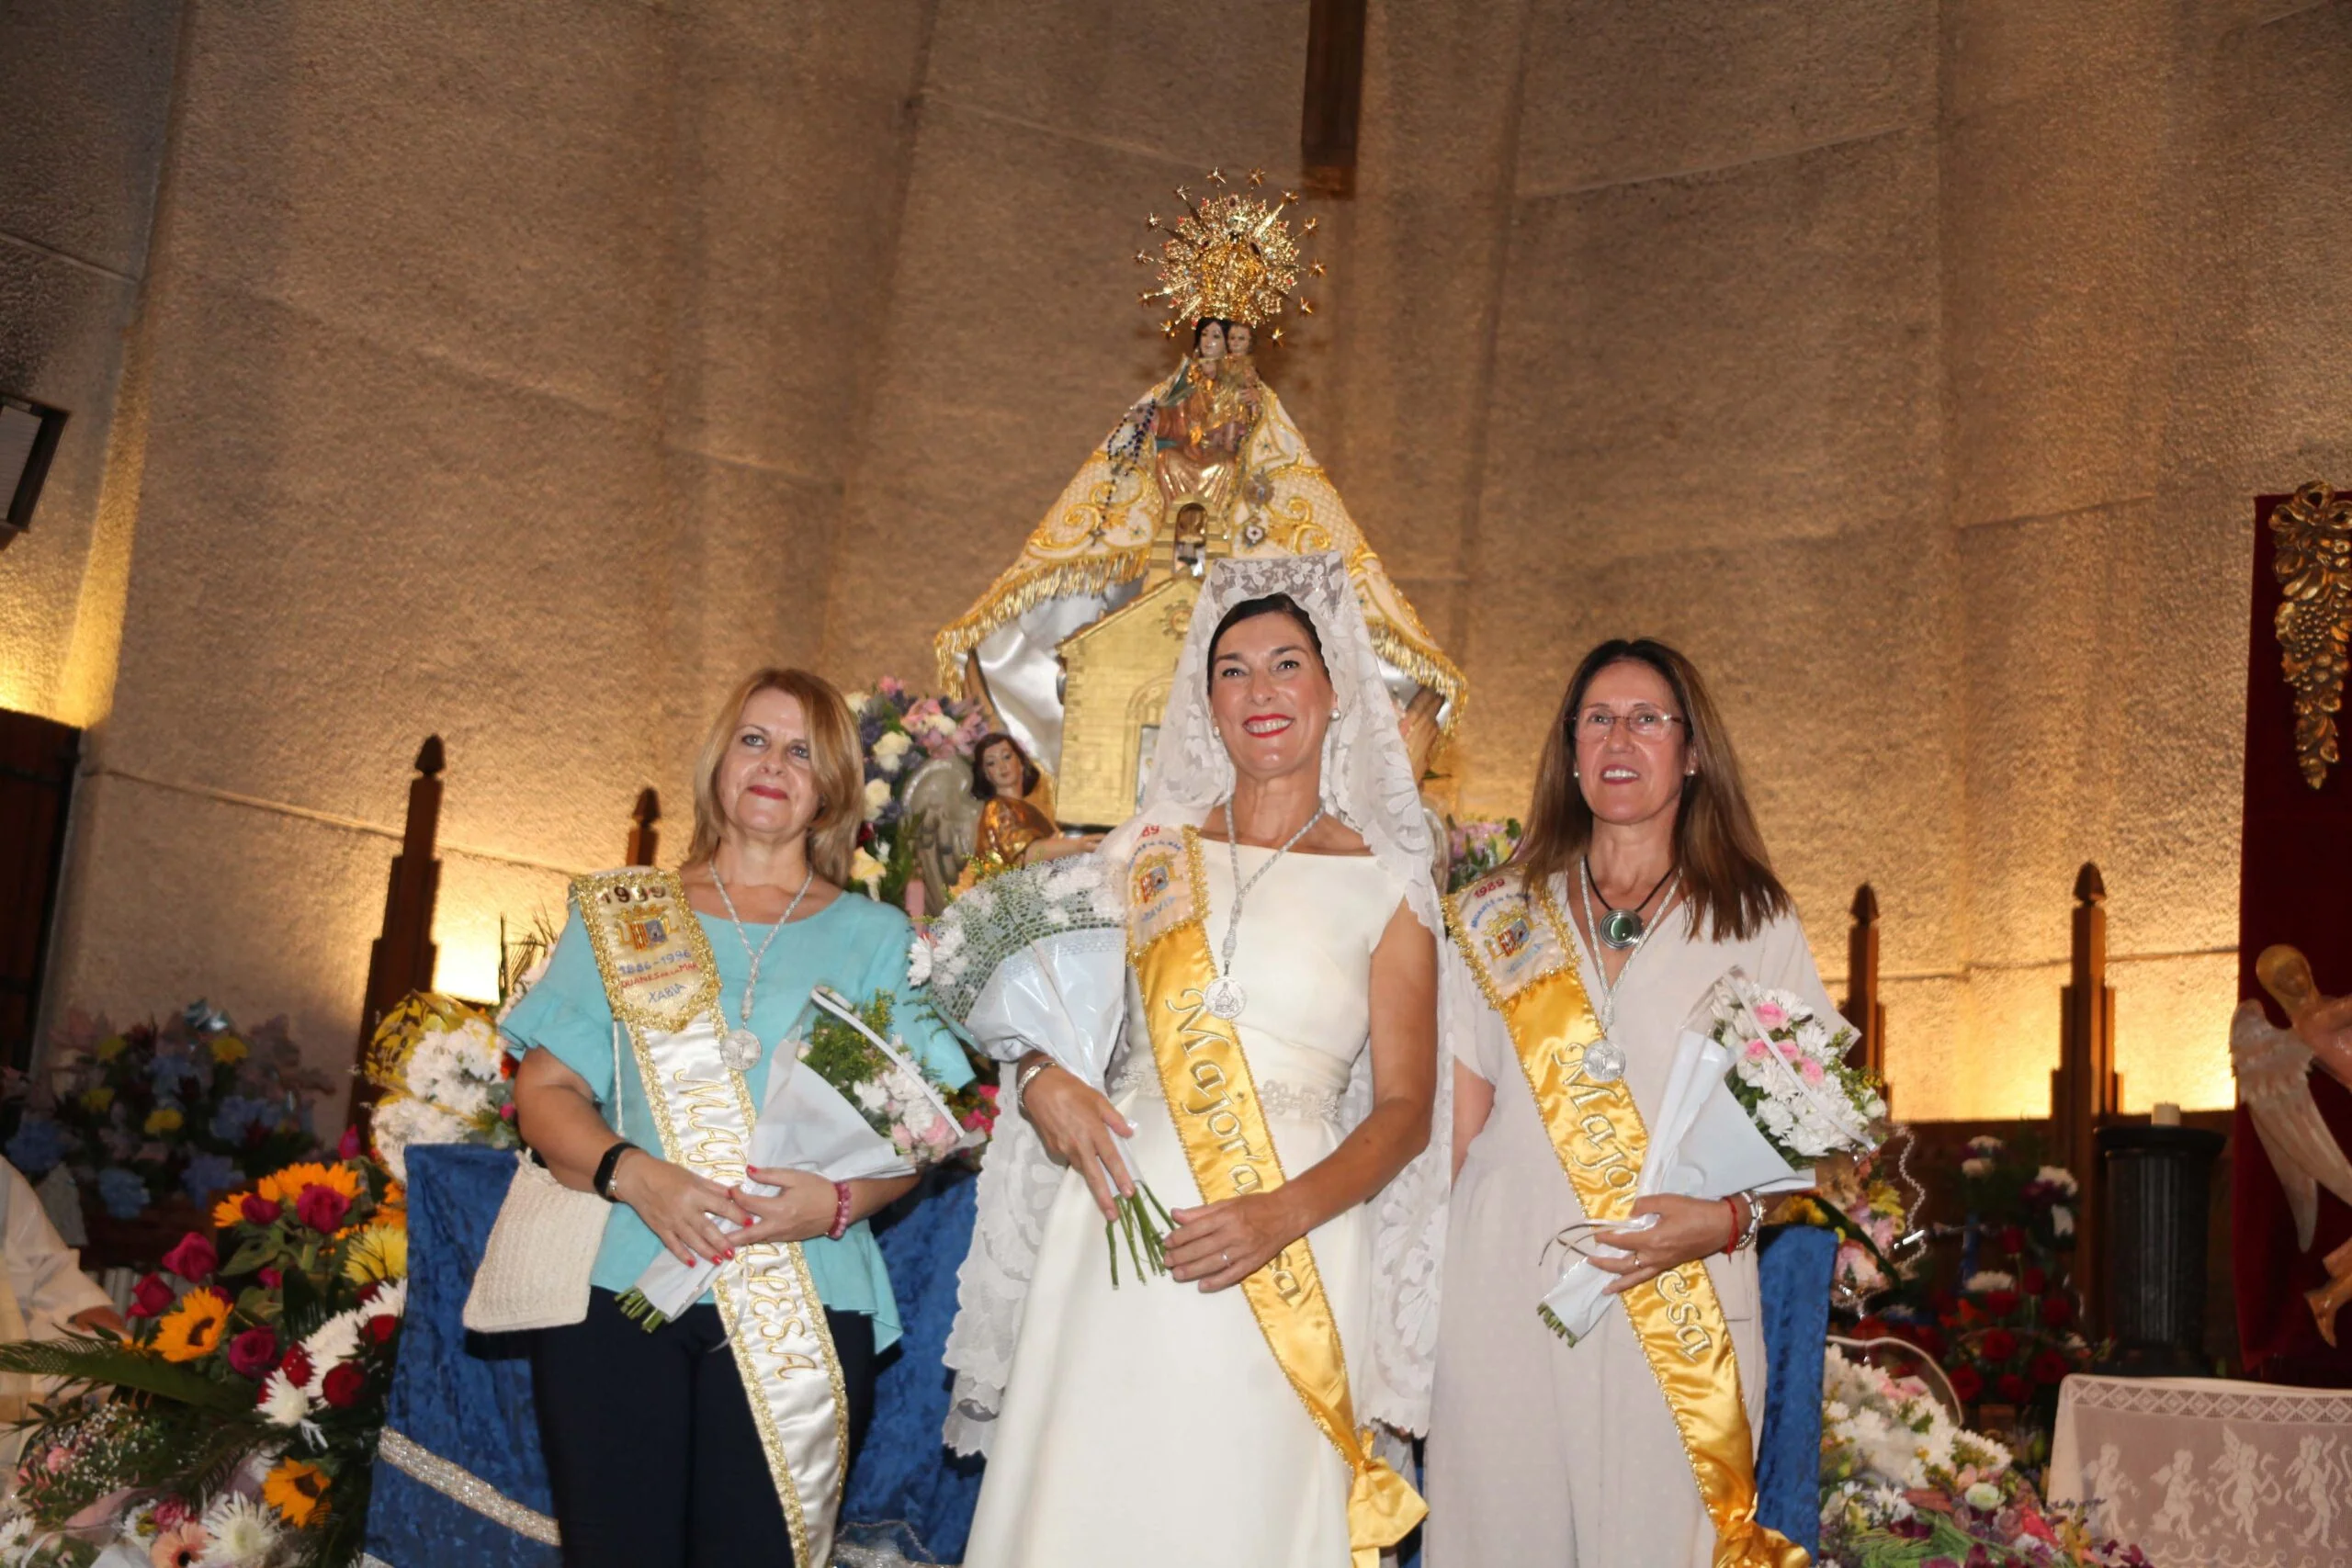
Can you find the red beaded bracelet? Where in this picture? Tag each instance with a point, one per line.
(1733, 1244)
(841, 1211)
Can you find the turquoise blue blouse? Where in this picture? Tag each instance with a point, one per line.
(854, 945)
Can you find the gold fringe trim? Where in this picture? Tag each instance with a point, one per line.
(1021, 589)
(1424, 664)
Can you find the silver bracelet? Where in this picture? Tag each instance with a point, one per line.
(1754, 1218)
(1028, 1075)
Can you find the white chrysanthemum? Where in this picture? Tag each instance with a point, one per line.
(890, 752)
(2062, 1220)
(1991, 1280)
(390, 1299)
(282, 1403)
(877, 795)
(335, 1340)
(400, 1121)
(242, 1533)
(2058, 1176)
(1976, 1167)
(15, 1529)
(918, 962)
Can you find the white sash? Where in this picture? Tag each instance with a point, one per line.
(662, 982)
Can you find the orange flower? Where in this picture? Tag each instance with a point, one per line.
(229, 1211)
(296, 1490)
(284, 1186)
(191, 1329)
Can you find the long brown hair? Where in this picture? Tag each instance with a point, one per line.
(1726, 876)
(835, 757)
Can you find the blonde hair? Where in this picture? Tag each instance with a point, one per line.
(835, 757)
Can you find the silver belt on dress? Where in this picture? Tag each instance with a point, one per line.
(1277, 1097)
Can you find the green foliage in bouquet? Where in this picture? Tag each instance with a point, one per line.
(240, 1420)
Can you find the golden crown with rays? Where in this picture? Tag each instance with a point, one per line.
(1230, 255)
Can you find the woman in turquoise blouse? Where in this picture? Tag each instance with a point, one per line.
(652, 1452)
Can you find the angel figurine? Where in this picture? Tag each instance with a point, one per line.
(2274, 1068)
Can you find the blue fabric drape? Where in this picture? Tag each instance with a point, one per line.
(466, 1398)
(904, 1482)
(1796, 1262)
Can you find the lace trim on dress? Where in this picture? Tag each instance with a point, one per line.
(1279, 1099)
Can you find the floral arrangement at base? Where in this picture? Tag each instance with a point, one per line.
(893, 726)
(236, 1426)
(2007, 1334)
(1903, 1486)
(1476, 848)
(445, 1080)
(181, 1110)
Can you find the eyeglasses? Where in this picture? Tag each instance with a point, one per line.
(1642, 723)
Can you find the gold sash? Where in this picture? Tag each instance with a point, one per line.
(1519, 952)
(1214, 1100)
(659, 976)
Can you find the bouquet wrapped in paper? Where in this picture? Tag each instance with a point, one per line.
(1759, 1089)
(1035, 959)
(845, 1101)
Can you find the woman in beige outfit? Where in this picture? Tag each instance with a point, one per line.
(1541, 1452)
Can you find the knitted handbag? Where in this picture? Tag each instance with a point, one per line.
(542, 1248)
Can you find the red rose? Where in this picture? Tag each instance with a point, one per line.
(2012, 1239)
(1871, 1328)
(2000, 1303)
(171, 1512)
(344, 1385)
(150, 1296)
(297, 1367)
(2057, 1309)
(2014, 1389)
(506, 1112)
(2050, 1366)
(253, 1353)
(261, 1211)
(1967, 1384)
(321, 1207)
(382, 1327)
(349, 1148)
(193, 1260)
(1998, 1345)
(1928, 1338)
(2034, 1281)
(272, 1278)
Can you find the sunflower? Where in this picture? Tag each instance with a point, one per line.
(228, 1050)
(296, 1490)
(284, 1186)
(229, 1211)
(378, 1252)
(191, 1329)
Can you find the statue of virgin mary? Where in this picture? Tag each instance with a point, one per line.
(1206, 464)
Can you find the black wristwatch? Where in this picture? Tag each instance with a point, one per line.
(603, 1181)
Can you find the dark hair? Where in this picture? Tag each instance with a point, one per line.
(1726, 876)
(1271, 605)
(1222, 323)
(981, 788)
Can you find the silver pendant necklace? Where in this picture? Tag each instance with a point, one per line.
(1621, 929)
(1604, 1059)
(1225, 996)
(738, 1047)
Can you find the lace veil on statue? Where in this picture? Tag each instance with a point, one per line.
(1367, 783)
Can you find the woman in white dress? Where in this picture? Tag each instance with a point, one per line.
(1540, 1450)
(1108, 1412)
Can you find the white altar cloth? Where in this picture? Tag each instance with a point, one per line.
(2207, 1472)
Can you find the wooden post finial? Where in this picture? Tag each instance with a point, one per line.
(2085, 1091)
(1862, 1007)
(644, 835)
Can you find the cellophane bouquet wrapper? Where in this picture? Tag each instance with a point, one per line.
(1717, 1133)
(886, 1120)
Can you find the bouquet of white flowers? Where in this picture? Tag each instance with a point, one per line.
(1756, 1091)
(846, 1103)
(1035, 959)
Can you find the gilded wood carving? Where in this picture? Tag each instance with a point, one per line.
(2311, 533)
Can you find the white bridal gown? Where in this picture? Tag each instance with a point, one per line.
(1150, 1425)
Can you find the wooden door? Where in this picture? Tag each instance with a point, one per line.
(37, 759)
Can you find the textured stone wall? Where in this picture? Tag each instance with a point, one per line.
(522, 375)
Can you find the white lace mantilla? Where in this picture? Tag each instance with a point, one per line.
(2207, 1472)
(1367, 783)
